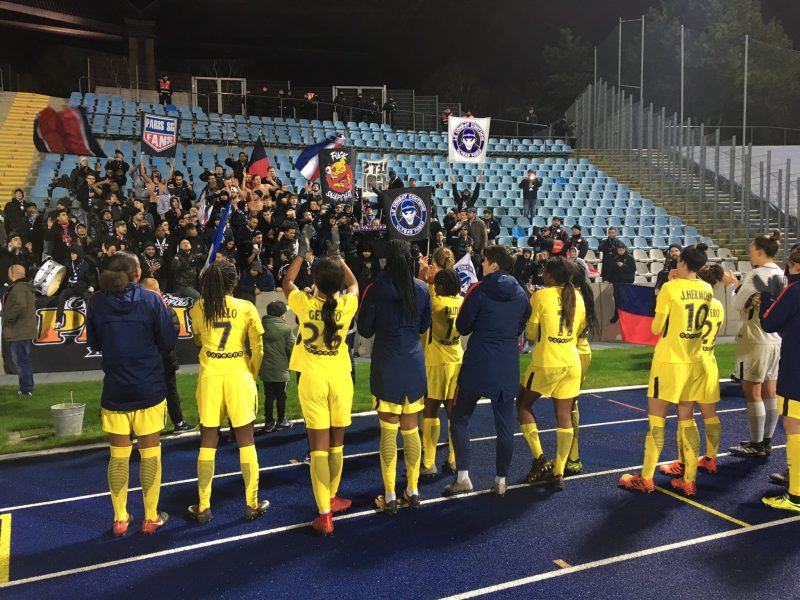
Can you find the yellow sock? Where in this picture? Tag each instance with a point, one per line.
(335, 464)
(205, 475)
(248, 459)
(389, 455)
(321, 480)
(681, 455)
(574, 455)
(793, 460)
(653, 445)
(431, 429)
(563, 445)
(118, 470)
(691, 448)
(150, 477)
(713, 432)
(412, 450)
(531, 434)
(451, 458)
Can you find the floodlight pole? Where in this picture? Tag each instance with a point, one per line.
(619, 56)
(682, 74)
(744, 98)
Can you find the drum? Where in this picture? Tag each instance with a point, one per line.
(49, 277)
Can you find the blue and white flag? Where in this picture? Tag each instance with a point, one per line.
(308, 161)
(218, 236)
(466, 273)
(468, 139)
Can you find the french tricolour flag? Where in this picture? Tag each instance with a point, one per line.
(308, 162)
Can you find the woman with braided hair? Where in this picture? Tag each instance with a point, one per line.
(227, 382)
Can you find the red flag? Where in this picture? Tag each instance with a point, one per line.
(65, 132)
(259, 162)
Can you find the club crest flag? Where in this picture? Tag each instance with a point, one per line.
(408, 213)
(159, 135)
(466, 273)
(337, 177)
(468, 139)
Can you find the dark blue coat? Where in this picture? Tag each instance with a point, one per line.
(131, 329)
(495, 311)
(782, 315)
(398, 362)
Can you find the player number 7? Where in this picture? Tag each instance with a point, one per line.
(226, 331)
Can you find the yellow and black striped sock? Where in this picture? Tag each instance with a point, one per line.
(531, 434)
(563, 445)
(691, 448)
(118, 472)
(713, 429)
(205, 475)
(321, 480)
(389, 457)
(412, 451)
(793, 462)
(574, 454)
(150, 477)
(335, 465)
(653, 445)
(431, 429)
(681, 455)
(248, 460)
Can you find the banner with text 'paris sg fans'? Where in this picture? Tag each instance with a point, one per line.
(468, 139)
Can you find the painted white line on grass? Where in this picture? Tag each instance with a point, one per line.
(363, 513)
(292, 465)
(620, 558)
(369, 413)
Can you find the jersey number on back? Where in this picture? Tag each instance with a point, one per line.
(696, 316)
(226, 332)
(315, 333)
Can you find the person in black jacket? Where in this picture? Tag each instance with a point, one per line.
(623, 271)
(559, 233)
(523, 267)
(394, 181)
(180, 187)
(14, 254)
(117, 168)
(61, 235)
(14, 212)
(578, 241)
(671, 264)
(238, 166)
(464, 199)
(530, 193)
(608, 248)
(79, 282)
(492, 226)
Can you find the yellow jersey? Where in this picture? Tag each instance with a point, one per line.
(222, 342)
(310, 354)
(442, 342)
(685, 303)
(716, 316)
(556, 344)
(583, 332)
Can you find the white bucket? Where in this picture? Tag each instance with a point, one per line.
(67, 418)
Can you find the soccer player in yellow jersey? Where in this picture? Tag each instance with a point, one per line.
(558, 316)
(711, 274)
(574, 465)
(221, 325)
(443, 356)
(677, 374)
(325, 388)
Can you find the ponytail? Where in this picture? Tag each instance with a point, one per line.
(568, 305)
(329, 319)
(580, 282)
(561, 271)
(329, 279)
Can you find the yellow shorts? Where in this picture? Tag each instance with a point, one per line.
(554, 382)
(788, 407)
(442, 380)
(711, 388)
(586, 360)
(677, 382)
(395, 408)
(235, 394)
(139, 422)
(326, 402)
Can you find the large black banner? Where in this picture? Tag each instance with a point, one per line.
(66, 350)
(408, 213)
(159, 135)
(336, 175)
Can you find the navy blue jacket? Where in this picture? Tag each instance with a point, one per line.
(131, 329)
(495, 311)
(398, 362)
(782, 315)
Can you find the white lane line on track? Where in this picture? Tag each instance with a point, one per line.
(298, 464)
(369, 413)
(363, 513)
(619, 558)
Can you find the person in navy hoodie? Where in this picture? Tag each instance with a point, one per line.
(494, 312)
(779, 312)
(131, 326)
(396, 309)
